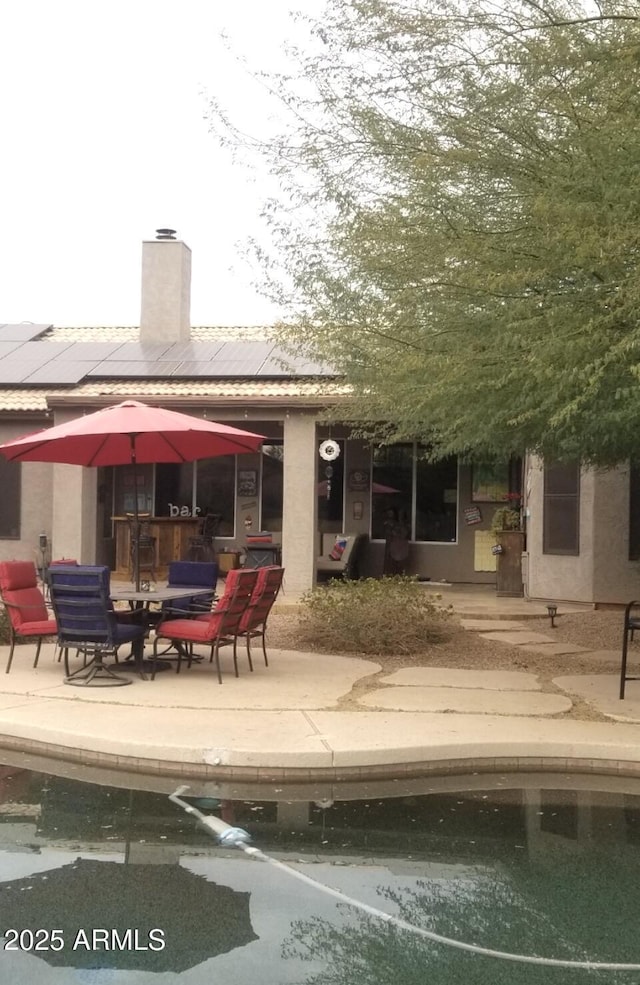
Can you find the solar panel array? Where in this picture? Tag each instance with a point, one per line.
(27, 361)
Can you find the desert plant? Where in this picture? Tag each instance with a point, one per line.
(382, 616)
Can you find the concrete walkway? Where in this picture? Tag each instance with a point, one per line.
(299, 719)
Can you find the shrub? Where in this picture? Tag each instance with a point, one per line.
(5, 637)
(382, 616)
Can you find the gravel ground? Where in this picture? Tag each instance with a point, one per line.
(594, 629)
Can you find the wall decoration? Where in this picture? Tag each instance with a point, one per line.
(358, 480)
(472, 514)
(247, 482)
(489, 482)
(329, 450)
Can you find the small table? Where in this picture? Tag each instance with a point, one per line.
(138, 599)
(262, 555)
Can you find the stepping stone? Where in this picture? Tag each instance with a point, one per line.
(601, 692)
(614, 656)
(489, 624)
(466, 701)
(553, 649)
(489, 680)
(516, 639)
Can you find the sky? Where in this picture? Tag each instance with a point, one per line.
(104, 139)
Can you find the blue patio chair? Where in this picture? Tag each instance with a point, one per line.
(191, 574)
(87, 622)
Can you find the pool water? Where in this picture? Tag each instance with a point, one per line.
(106, 884)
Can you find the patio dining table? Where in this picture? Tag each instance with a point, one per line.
(142, 599)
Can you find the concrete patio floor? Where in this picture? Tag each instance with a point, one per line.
(299, 718)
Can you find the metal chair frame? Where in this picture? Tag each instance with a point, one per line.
(218, 628)
(253, 624)
(631, 623)
(39, 623)
(88, 622)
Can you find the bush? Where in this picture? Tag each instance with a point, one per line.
(5, 637)
(378, 616)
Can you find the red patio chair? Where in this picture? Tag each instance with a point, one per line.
(215, 629)
(254, 620)
(25, 605)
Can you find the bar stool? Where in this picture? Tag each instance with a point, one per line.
(202, 546)
(143, 544)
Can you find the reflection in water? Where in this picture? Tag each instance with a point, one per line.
(538, 871)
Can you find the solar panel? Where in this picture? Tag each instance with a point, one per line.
(110, 369)
(24, 361)
(92, 351)
(14, 372)
(249, 349)
(55, 371)
(140, 351)
(23, 332)
(193, 351)
(7, 347)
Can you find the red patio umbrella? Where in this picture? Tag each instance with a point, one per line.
(131, 433)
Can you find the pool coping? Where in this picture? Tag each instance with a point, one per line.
(394, 769)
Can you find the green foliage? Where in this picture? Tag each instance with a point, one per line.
(505, 518)
(5, 637)
(375, 616)
(458, 225)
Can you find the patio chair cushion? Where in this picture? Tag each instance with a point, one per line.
(25, 606)
(39, 627)
(201, 630)
(25, 601)
(32, 608)
(338, 548)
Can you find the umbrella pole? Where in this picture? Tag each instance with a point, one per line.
(136, 515)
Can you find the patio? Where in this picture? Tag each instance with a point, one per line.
(318, 715)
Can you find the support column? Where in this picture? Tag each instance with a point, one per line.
(300, 506)
(75, 499)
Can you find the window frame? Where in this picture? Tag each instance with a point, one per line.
(550, 499)
(14, 470)
(416, 449)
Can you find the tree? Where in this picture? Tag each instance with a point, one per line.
(459, 226)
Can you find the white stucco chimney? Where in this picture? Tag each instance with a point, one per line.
(166, 289)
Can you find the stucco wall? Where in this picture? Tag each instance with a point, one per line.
(557, 576)
(300, 503)
(602, 573)
(615, 577)
(36, 515)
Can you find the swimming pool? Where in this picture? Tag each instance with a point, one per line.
(530, 864)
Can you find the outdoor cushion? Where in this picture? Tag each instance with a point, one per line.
(338, 549)
(201, 630)
(39, 627)
(32, 606)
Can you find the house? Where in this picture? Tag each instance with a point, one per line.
(299, 487)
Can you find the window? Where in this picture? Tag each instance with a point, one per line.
(427, 492)
(272, 485)
(216, 491)
(561, 509)
(331, 492)
(436, 500)
(174, 488)
(634, 512)
(125, 500)
(10, 484)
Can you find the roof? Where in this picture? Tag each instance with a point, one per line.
(43, 364)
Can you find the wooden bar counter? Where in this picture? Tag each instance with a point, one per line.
(172, 534)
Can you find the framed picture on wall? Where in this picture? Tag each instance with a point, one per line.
(489, 482)
(247, 482)
(358, 480)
